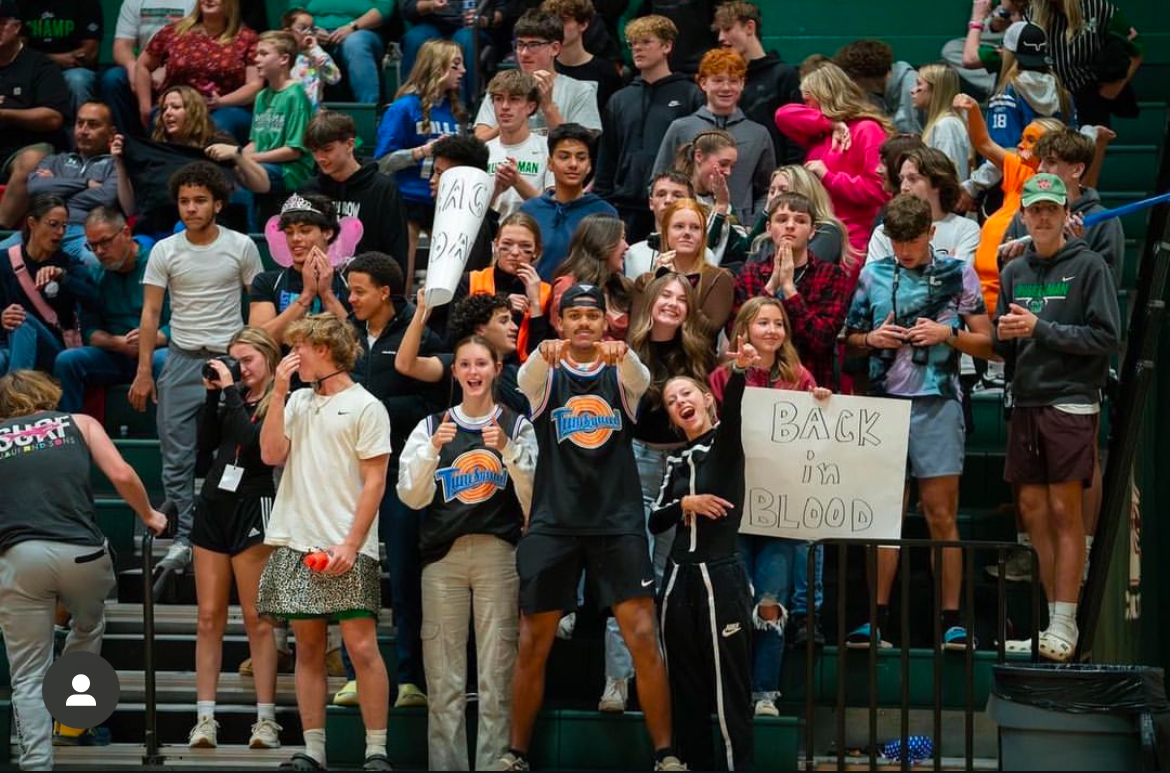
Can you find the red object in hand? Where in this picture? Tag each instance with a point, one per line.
(317, 560)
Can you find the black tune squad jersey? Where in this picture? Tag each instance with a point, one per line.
(586, 477)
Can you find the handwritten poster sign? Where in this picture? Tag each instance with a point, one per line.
(819, 470)
(460, 205)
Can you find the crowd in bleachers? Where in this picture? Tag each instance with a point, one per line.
(662, 233)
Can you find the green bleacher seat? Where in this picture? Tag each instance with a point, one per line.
(1147, 129)
(1129, 168)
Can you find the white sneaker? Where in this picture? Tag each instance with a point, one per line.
(178, 557)
(766, 708)
(265, 735)
(613, 700)
(670, 763)
(566, 626)
(204, 734)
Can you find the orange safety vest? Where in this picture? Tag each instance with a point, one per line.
(484, 282)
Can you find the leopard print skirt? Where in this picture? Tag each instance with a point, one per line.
(289, 588)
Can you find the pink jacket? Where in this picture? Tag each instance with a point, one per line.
(852, 181)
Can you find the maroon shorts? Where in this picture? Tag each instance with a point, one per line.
(1046, 445)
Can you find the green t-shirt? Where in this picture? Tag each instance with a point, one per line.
(279, 119)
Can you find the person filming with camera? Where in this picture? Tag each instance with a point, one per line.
(914, 312)
(231, 518)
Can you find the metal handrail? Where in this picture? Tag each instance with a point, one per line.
(151, 756)
(968, 548)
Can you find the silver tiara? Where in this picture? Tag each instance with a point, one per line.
(297, 203)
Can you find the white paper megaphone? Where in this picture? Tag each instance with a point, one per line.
(460, 205)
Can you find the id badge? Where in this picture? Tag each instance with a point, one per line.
(232, 475)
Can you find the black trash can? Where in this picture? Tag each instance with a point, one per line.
(1077, 716)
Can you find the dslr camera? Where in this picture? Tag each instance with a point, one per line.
(233, 366)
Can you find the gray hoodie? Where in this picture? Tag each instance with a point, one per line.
(1066, 361)
(754, 165)
(69, 175)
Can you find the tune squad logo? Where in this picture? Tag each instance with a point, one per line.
(586, 420)
(473, 477)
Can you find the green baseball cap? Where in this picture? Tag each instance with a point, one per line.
(1045, 187)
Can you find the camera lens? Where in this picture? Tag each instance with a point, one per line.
(233, 366)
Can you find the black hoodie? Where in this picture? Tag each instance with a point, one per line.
(407, 400)
(770, 84)
(371, 197)
(1066, 360)
(634, 123)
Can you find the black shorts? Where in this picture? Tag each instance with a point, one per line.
(1047, 445)
(549, 566)
(230, 524)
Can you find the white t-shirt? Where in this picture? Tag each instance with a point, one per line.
(138, 20)
(204, 283)
(575, 100)
(955, 235)
(532, 162)
(319, 490)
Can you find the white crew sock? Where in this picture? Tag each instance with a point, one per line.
(375, 742)
(1051, 611)
(205, 709)
(315, 745)
(1064, 621)
(266, 711)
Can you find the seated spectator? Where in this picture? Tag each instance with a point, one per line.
(517, 158)
(313, 67)
(1069, 154)
(351, 31)
(933, 94)
(40, 290)
(426, 108)
(913, 341)
(68, 32)
(843, 133)
(770, 82)
(517, 248)
(537, 40)
(890, 156)
(180, 136)
(637, 118)
(929, 175)
(709, 161)
(1058, 346)
(433, 20)
(595, 256)
(684, 240)
(274, 160)
(830, 238)
(110, 330)
(357, 190)
(84, 179)
(35, 101)
(721, 77)
(814, 292)
(559, 210)
(138, 21)
(665, 189)
(310, 285)
(211, 50)
(888, 84)
(1017, 167)
(574, 60)
(692, 19)
(485, 315)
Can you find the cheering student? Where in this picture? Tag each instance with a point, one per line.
(706, 601)
(472, 467)
(334, 441)
(586, 513)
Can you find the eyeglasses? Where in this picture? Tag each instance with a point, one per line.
(102, 244)
(507, 247)
(302, 28)
(529, 45)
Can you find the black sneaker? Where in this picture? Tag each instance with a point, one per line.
(800, 631)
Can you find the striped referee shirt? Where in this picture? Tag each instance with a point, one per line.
(1073, 59)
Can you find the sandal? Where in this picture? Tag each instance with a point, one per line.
(377, 762)
(1056, 647)
(301, 761)
(1018, 646)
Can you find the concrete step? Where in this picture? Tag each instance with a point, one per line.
(889, 727)
(233, 690)
(175, 720)
(121, 756)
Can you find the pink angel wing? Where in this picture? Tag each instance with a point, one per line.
(277, 242)
(349, 232)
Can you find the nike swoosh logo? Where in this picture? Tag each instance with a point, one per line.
(647, 583)
(731, 630)
(254, 533)
(1068, 278)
